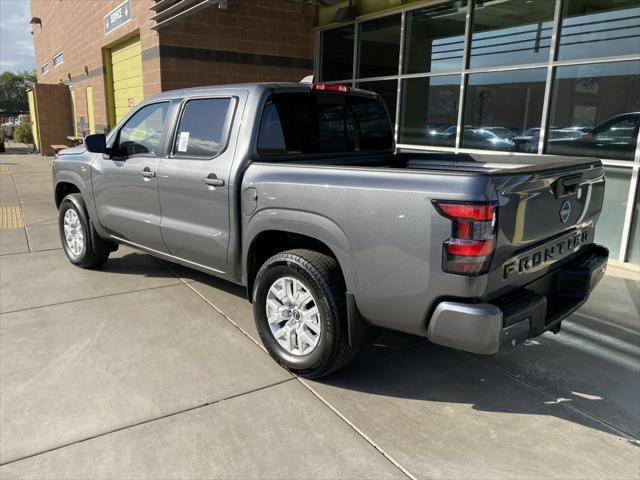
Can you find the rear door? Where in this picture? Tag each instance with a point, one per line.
(194, 180)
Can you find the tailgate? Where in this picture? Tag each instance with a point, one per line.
(545, 215)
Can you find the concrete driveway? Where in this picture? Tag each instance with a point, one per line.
(147, 370)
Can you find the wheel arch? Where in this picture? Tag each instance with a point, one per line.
(62, 189)
(272, 232)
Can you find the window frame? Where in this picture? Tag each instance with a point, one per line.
(116, 139)
(60, 54)
(226, 127)
(42, 68)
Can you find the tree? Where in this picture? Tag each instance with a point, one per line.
(13, 91)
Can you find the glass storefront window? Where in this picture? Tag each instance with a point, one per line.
(511, 32)
(634, 237)
(434, 38)
(611, 221)
(429, 110)
(593, 28)
(337, 54)
(388, 90)
(379, 47)
(502, 110)
(600, 104)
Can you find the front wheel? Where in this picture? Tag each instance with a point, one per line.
(300, 312)
(75, 234)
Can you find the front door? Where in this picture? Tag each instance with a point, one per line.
(125, 183)
(193, 182)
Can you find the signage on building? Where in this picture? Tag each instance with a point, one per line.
(117, 17)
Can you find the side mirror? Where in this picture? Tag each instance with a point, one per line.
(96, 143)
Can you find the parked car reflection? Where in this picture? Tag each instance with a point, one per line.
(615, 138)
(484, 138)
(528, 140)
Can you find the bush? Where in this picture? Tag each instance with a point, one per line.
(23, 134)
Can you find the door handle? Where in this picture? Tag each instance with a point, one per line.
(147, 173)
(212, 180)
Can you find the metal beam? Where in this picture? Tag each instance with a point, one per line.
(160, 4)
(185, 13)
(173, 9)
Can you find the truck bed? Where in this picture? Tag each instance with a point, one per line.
(489, 163)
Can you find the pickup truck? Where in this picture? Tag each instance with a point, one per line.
(297, 192)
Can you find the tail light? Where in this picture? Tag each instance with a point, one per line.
(321, 87)
(472, 242)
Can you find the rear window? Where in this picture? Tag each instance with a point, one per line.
(315, 123)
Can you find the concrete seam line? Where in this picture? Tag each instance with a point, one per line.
(42, 222)
(357, 430)
(144, 422)
(308, 387)
(91, 298)
(624, 435)
(212, 305)
(27, 253)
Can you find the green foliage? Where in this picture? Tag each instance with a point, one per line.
(13, 90)
(23, 134)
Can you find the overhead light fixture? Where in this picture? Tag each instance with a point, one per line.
(35, 21)
(345, 14)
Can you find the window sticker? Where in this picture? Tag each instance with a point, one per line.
(183, 142)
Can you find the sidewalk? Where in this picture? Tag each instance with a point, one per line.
(148, 370)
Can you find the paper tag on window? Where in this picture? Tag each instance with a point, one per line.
(183, 141)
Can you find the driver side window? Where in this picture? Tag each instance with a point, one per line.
(142, 132)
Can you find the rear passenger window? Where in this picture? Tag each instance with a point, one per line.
(270, 136)
(202, 128)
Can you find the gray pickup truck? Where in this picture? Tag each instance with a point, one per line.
(298, 193)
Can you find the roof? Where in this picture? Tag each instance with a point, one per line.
(250, 87)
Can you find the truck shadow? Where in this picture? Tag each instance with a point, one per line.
(576, 378)
(589, 374)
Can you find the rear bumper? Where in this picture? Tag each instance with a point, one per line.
(527, 312)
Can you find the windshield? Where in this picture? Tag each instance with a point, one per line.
(314, 123)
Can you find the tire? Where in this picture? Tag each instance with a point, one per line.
(83, 253)
(320, 276)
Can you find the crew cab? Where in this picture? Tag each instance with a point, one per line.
(297, 192)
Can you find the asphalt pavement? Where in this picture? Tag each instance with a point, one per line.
(143, 369)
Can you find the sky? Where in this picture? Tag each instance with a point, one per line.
(16, 43)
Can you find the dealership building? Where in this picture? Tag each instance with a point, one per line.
(521, 77)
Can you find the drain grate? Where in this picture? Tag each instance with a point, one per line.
(10, 217)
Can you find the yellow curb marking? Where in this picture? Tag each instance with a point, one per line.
(10, 217)
(5, 170)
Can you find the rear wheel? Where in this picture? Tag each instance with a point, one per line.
(75, 233)
(300, 312)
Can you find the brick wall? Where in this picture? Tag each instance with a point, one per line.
(251, 41)
(53, 104)
(75, 27)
